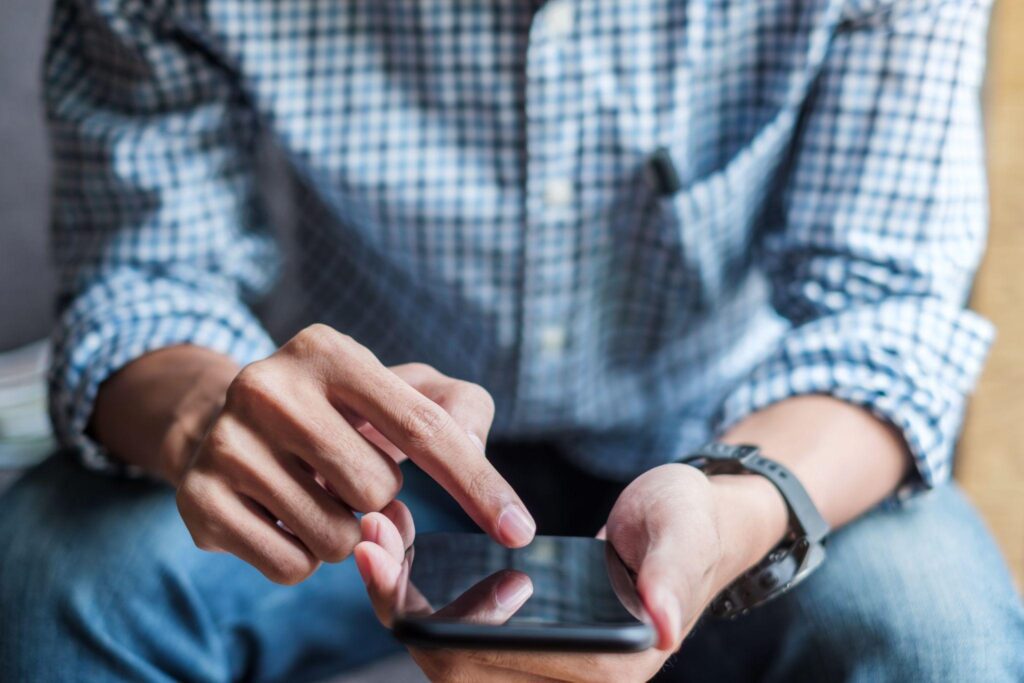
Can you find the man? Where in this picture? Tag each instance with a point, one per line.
(638, 226)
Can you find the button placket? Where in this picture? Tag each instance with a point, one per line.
(559, 18)
(552, 212)
(559, 193)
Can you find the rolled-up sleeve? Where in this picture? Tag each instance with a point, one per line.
(879, 227)
(156, 234)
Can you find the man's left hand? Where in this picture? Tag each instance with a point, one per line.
(683, 534)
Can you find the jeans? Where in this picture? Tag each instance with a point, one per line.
(100, 581)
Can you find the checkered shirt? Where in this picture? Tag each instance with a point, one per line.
(481, 192)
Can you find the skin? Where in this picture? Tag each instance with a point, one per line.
(307, 436)
(315, 431)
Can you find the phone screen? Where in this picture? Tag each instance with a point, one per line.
(563, 584)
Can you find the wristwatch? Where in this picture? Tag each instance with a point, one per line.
(799, 553)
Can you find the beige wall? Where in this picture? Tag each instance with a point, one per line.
(991, 463)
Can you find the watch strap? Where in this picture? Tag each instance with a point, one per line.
(721, 458)
(795, 558)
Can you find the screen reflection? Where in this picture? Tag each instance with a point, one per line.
(553, 581)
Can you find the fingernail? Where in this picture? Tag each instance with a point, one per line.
(515, 526)
(511, 594)
(476, 441)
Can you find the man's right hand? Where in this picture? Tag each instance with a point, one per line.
(314, 433)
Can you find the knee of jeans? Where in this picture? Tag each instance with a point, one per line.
(81, 553)
(917, 594)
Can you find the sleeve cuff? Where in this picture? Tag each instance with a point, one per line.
(121, 319)
(911, 363)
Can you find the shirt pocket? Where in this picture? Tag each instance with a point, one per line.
(715, 221)
(677, 258)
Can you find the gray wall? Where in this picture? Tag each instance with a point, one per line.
(25, 275)
(26, 278)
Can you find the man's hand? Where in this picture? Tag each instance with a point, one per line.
(313, 433)
(672, 526)
(687, 536)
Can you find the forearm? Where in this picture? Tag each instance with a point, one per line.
(153, 412)
(847, 459)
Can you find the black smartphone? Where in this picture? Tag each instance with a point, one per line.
(563, 594)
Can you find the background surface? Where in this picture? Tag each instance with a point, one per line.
(25, 276)
(991, 458)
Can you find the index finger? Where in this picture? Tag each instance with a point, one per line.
(494, 600)
(435, 442)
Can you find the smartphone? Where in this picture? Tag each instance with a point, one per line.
(465, 591)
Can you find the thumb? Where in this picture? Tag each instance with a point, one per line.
(656, 585)
(379, 556)
(381, 574)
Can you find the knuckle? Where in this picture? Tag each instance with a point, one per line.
(319, 347)
(195, 500)
(419, 369)
(319, 340)
(254, 384)
(211, 530)
(318, 336)
(393, 484)
(194, 493)
(184, 496)
(471, 405)
(419, 374)
(219, 440)
(379, 492)
(479, 482)
(224, 455)
(481, 400)
(424, 423)
(479, 396)
(206, 545)
(337, 544)
(206, 535)
(288, 571)
(337, 554)
(330, 533)
(471, 396)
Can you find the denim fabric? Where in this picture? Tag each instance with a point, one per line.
(914, 593)
(99, 581)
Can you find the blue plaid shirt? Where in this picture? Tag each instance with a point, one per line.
(479, 194)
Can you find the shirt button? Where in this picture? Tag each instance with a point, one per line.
(552, 340)
(560, 18)
(559, 193)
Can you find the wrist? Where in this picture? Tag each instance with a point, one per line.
(752, 518)
(193, 414)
